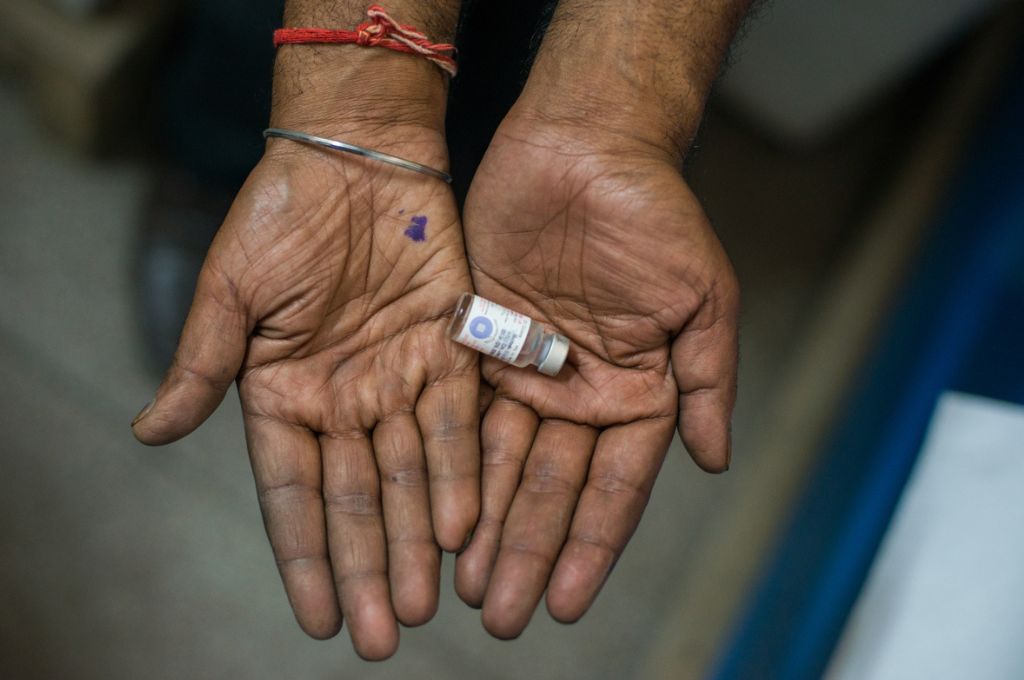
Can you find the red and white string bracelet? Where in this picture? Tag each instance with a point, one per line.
(380, 30)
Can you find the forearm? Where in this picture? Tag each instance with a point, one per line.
(337, 89)
(640, 65)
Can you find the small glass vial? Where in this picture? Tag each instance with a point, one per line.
(506, 335)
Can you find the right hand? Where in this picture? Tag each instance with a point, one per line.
(361, 416)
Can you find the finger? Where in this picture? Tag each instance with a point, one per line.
(448, 415)
(486, 396)
(705, 357)
(414, 560)
(207, 360)
(506, 435)
(622, 473)
(286, 464)
(355, 537)
(537, 524)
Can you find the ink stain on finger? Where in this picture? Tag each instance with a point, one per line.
(417, 230)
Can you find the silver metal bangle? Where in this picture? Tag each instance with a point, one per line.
(305, 138)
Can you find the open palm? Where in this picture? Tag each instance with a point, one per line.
(601, 239)
(325, 294)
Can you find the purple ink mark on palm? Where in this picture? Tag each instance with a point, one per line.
(417, 231)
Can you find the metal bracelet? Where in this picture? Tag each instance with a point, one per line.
(305, 138)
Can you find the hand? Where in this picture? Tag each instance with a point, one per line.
(326, 294)
(596, 234)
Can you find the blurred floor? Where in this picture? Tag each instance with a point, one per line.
(119, 561)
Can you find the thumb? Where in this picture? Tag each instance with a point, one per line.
(207, 360)
(705, 357)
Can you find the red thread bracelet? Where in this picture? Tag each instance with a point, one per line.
(380, 31)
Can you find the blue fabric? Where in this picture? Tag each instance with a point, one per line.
(958, 325)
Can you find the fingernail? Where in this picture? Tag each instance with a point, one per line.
(142, 414)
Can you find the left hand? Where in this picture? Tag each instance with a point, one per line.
(596, 235)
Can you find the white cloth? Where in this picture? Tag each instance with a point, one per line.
(945, 596)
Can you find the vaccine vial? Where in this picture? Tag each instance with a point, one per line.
(507, 335)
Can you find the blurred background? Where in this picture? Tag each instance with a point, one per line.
(863, 163)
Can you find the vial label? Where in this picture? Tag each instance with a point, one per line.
(494, 330)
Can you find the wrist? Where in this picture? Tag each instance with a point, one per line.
(640, 70)
(365, 95)
(347, 86)
(609, 109)
(370, 97)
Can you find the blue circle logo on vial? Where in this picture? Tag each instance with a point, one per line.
(481, 327)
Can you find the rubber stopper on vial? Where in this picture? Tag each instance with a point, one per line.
(553, 361)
